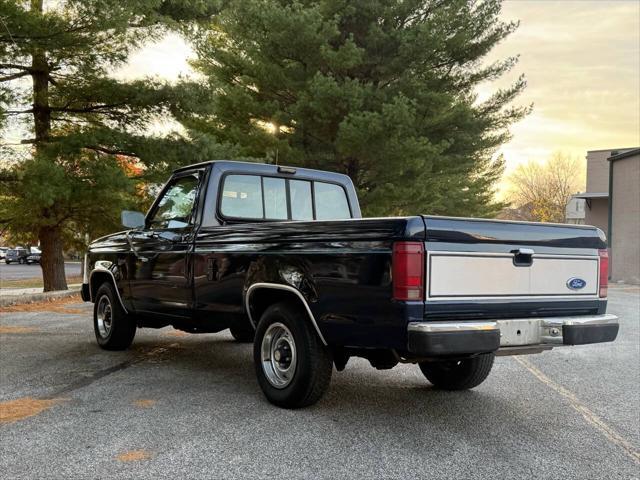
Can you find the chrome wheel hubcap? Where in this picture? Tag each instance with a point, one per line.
(278, 353)
(104, 316)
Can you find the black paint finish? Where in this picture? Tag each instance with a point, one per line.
(498, 235)
(196, 278)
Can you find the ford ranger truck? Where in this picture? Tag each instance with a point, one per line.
(281, 257)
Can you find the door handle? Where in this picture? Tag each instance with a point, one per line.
(523, 257)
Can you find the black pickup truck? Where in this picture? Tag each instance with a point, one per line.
(282, 258)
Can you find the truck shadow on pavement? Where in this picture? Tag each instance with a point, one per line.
(213, 362)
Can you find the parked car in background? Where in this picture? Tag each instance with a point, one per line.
(34, 255)
(3, 252)
(16, 255)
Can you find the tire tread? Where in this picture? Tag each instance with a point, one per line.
(474, 374)
(124, 325)
(310, 387)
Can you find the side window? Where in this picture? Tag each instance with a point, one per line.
(176, 205)
(301, 204)
(275, 198)
(331, 202)
(242, 197)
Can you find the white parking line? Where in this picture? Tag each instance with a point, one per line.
(609, 433)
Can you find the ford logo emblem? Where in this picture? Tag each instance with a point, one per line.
(575, 283)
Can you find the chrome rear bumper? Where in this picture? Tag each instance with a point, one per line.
(512, 336)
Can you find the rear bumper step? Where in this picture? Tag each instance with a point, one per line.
(511, 335)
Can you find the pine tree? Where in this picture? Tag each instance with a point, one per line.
(382, 90)
(81, 127)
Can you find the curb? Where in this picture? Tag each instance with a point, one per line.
(7, 300)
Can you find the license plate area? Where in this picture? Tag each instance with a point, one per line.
(520, 332)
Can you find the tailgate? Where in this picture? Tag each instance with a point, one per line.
(478, 275)
(484, 268)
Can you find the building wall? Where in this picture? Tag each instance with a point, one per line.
(598, 169)
(574, 211)
(598, 214)
(625, 220)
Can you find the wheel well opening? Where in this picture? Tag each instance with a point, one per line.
(263, 298)
(97, 279)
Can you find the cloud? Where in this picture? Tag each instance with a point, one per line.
(582, 63)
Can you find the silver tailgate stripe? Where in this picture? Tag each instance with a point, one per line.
(489, 275)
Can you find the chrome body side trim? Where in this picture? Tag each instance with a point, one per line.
(115, 284)
(85, 269)
(277, 286)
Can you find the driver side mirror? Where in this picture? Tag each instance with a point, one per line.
(131, 219)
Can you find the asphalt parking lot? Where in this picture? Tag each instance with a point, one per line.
(188, 406)
(15, 271)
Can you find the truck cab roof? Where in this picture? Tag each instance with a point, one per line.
(265, 168)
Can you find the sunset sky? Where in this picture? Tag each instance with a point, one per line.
(581, 59)
(582, 63)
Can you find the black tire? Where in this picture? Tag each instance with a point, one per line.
(7, 262)
(313, 365)
(458, 374)
(21, 261)
(118, 332)
(242, 333)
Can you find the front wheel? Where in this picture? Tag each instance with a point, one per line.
(114, 329)
(21, 261)
(292, 365)
(458, 374)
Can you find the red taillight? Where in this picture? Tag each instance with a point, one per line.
(408, 271)
(604, 272)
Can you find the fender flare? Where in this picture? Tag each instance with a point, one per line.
(115, 285)
(276, 286)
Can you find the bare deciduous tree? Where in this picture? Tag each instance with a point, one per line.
(544, 189)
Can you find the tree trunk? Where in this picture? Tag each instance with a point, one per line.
(353, 170)
(52, 261)
(50, 237)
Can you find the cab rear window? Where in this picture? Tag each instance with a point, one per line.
(255, 197)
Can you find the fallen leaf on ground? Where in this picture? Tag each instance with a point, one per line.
(15, 329)
(57, 305)
(177, 333)
(14, 410)
(134, 456)
(144, 403)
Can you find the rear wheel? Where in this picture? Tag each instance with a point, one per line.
(21, 261)
(114, 329)
(458, 374)
(292, 365)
